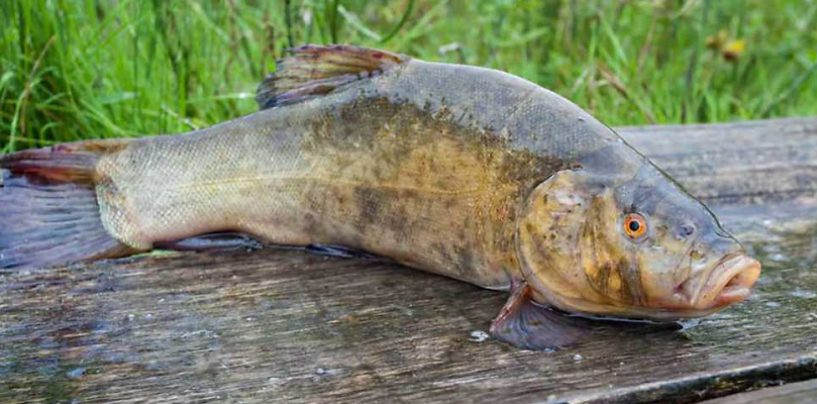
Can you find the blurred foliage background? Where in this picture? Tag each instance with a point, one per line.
(74, 69)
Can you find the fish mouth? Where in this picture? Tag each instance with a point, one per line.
(730, 281)
(740, 274)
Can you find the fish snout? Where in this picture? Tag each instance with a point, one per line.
(737, 280)
(730, 281)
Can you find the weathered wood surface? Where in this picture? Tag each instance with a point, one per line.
(288, 326)
(794, 393)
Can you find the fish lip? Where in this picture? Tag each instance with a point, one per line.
(729, 281)
(737, 281)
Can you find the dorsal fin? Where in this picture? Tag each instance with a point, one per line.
(314, 70)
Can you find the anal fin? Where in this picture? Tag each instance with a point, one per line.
(333, 250)
(527, 325)
(212, 241)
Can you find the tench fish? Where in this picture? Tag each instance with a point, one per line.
(458, 170)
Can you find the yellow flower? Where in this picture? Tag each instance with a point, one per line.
(729, 49)
(733, 49)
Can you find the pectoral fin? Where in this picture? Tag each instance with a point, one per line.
(524, 324)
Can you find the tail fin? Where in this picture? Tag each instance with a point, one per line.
(49, 213)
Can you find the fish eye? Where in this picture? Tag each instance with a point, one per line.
(635, 226)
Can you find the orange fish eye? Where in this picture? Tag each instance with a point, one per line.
(635, 225)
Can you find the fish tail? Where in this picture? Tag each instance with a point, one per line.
(49, 214)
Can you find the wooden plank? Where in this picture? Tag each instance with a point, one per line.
(288, 326)
(755, 161)
(795, 393)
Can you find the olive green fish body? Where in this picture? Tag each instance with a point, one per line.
(462, 171)
(417, 164)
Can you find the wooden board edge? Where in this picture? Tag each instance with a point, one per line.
(708, 385)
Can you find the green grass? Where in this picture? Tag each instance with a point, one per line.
(75, 69)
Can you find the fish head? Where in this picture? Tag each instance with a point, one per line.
(640, 247)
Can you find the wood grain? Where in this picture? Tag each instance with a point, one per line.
(282, 325)
(795, 393)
